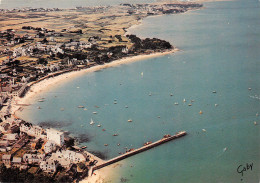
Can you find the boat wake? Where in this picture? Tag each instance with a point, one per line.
(257, 97)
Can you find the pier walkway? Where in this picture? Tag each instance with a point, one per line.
(139, 150)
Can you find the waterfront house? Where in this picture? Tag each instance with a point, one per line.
(33, 158)
(49, 166)
(55, 136)
(31, 130)
(13, 90)
(71, 156)
(6, 159)
(66, 158)
(49, 146)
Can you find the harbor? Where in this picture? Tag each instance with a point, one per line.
(146, 147)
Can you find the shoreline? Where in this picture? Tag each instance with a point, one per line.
(49, 83)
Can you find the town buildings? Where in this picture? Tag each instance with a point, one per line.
(55, 136)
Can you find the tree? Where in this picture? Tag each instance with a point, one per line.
(42, 61)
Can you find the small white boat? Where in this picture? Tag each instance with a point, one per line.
(257, 114)
(126, 106)
(62, 109)
(225, 149)
(216, 105)
(142, 74)
(105, 144)
(115, 134)
(203, 130)
(80, 106)
(249, 88)
(85, 109)
(171, 94)
(129, 120)
(176, 103)
(91, 121)
(94, 112)
(184, 100)
(192, 101)
(115, 102)
(189, 104)
(77, 86)
(40, 100)
(214, 91)
(255, 123)
(200, 112)
(150, 94)
(98, 125)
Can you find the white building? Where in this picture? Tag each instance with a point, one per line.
(11, 136)
(49, 165)
(31, 130)
(33, 158)
(49, 146)
(55, 136)
(71, 156)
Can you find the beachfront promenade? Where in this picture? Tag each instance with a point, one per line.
(139, 150)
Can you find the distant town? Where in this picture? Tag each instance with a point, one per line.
(38, 43)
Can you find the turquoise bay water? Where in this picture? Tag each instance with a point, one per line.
(219, 51)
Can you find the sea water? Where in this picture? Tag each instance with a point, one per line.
(219, 51)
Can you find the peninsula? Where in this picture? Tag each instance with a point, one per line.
(38, 43)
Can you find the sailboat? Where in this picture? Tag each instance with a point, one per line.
(91, 121)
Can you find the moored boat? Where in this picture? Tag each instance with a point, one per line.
(147, 143)
(91, 121)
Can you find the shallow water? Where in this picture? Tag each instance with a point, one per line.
(220, 52)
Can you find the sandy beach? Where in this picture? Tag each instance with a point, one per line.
(49, 83)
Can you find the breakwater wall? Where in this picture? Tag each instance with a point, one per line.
(139, 150)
